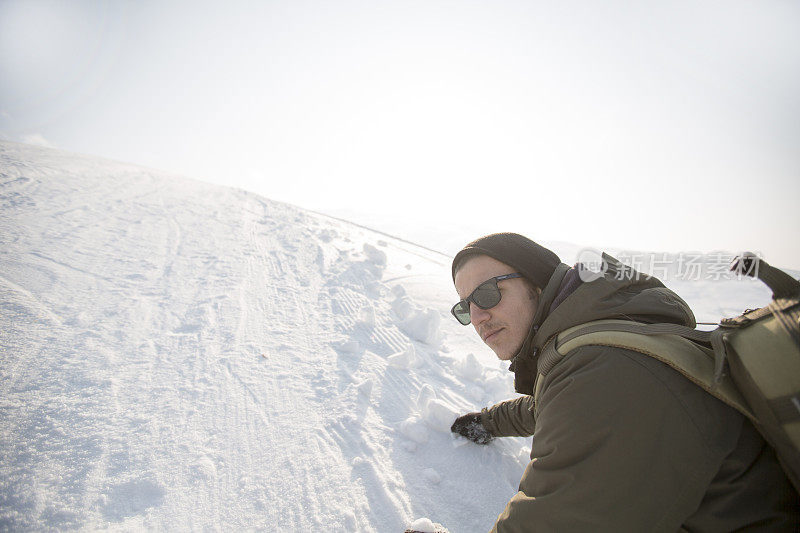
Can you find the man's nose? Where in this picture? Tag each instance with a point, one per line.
(477, 314)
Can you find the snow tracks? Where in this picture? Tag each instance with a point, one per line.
(183, 356)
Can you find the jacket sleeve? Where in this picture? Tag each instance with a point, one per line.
(620, 445)
(512, 418)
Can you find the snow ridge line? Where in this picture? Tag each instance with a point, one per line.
(379, 232)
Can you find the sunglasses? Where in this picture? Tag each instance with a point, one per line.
(486, 295)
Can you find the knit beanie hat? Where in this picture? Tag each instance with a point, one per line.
(533, 261)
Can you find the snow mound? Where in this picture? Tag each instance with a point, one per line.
(439, 415)
(469, 368)
(407, 358)
(426, 525)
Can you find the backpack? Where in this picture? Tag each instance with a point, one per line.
(751, 362)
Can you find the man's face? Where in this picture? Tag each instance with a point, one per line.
(503, 327)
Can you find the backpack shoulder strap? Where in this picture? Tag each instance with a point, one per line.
(675, 345)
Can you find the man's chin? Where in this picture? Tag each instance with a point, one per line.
(502, 354)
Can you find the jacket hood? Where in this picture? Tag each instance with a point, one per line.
(619, 293)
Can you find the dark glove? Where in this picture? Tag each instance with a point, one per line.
(469, 425)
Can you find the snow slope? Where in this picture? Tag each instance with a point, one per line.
(181, 355)
(177, 355)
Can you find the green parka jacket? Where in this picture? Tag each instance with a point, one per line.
(624, 443)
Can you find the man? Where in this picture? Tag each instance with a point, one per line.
(621, 442)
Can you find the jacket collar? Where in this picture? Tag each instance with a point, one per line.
(524, 360)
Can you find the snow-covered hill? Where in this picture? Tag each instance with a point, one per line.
(177, 355)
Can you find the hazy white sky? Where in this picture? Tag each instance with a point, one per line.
(669, 126)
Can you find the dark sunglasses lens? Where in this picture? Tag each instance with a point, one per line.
(487, 295)
(461, 312)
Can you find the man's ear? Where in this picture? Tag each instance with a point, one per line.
(533, 292)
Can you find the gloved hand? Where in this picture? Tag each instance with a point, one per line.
(469, 425)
